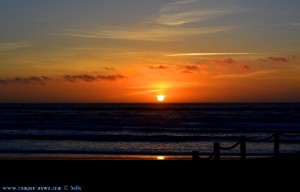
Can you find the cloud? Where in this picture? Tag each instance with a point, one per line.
(281, 59)
(26, 80)
(229, 61)
(294, 57)
(209, 54)
(91, 78)
(187, 69)
(142, 33)
(83, 77)
(187, 11)
(246, 67)
(109, 68)
(163, 67)
(245, 75)
(13, 46)
(192, 67)
(278, 59)
(166, 26)
(223, 61)
(184, 71)
(181, 18)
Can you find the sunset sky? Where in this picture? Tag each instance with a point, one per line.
(134, 50)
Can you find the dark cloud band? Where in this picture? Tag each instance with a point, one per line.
(91, 78)
(26, 80)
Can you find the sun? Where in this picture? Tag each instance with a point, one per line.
(160, 98)
(160, 158)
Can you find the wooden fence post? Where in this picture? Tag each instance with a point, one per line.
(217, 151)
(243, 148)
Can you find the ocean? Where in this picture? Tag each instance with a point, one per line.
(145, 129)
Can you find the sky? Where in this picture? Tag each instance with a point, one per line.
(133, 50)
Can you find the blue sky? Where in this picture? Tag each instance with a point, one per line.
(276, 23)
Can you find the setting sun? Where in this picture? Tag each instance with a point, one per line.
(160, 98)
(160, 158)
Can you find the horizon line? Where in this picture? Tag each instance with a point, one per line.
(159, 103)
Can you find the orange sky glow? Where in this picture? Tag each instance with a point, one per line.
(188, 51)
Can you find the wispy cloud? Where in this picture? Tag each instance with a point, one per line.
(246, 67)
(91, 78)
(187, 11)
(162, 67)
(187, 17)
(182, 2)
(41, 80)
(295, 24)
(13, 46)
(210, 54)
(223, 61)
(109, 68)
(142, 33)
(167, 25)
(186, 69)
(245, 75)
(280, 59)
(192, 67)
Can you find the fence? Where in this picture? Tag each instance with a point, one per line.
(216, 155)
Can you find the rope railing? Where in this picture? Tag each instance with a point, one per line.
(209, 157)
(242, 142)
(260, 140)
(284, 135)
(232, 147)
(196, 156)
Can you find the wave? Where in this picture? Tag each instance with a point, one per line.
(168, 125)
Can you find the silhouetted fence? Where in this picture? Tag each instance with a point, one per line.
(216, 155)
